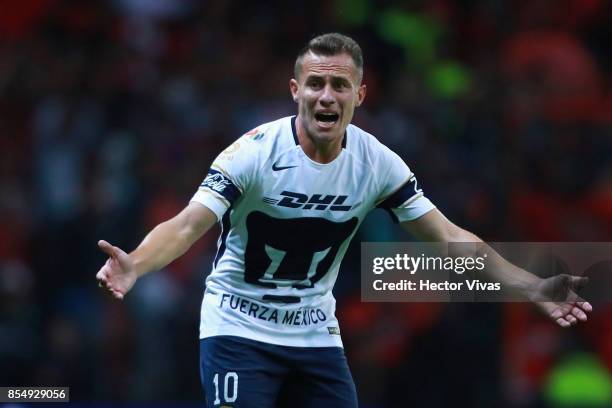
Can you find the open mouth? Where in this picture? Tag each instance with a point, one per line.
(326, 118)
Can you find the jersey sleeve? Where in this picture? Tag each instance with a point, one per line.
(401, 194)
(228, 177)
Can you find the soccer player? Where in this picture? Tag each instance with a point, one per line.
(290, 195)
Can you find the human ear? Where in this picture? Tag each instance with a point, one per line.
(361, 93)
(294, 87)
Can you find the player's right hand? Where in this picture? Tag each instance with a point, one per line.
(118, 274)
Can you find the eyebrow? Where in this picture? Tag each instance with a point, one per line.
(333, 77)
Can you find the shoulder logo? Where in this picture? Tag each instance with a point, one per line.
(228, 153)
(255, 134)
(277, 168)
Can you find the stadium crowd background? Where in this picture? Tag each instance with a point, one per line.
(112, 111)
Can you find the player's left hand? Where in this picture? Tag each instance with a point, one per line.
(557, 297)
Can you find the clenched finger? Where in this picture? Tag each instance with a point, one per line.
(578, 313)
(586, 306)
(563, 323)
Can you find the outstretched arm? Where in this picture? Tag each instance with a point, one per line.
(435, 227)
(166, 242)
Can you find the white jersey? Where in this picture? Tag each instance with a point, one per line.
(286, 224)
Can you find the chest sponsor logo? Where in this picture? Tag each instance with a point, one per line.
(319, 202)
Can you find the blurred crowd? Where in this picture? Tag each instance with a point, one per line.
(112, 111)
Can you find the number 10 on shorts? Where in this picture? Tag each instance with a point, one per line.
(230, 388)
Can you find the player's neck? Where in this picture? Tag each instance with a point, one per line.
(319, 152)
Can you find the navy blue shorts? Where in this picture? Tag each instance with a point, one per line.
(242, 373)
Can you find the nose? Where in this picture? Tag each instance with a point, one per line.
(327, 97)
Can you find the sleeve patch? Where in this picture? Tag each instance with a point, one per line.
(222, 185)
(406, 192)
